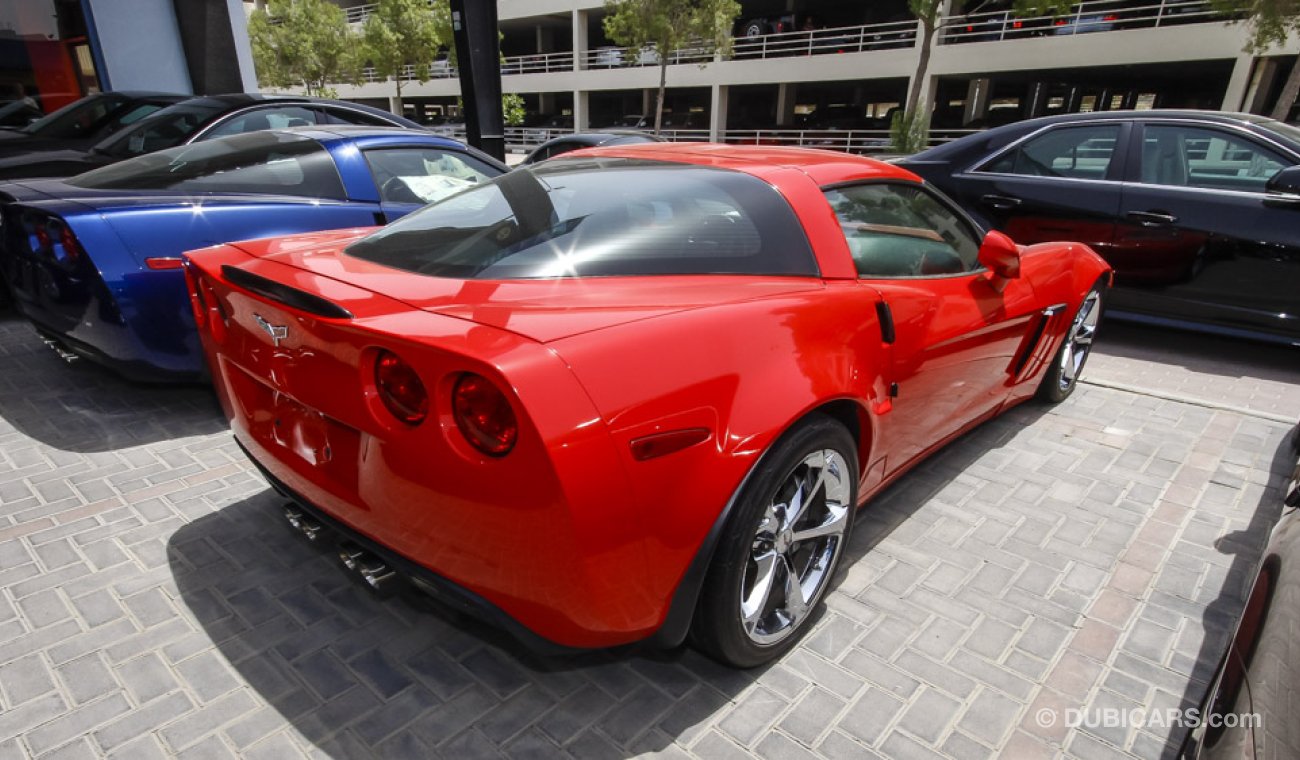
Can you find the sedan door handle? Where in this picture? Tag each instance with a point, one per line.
(1001, 202)
(1152, 218)
(1280, 200)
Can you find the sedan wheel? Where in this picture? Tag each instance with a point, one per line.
(782, 546)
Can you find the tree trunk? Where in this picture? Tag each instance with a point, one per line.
(922, 66)
(659, 99)
(1290, 90)
(397, 79)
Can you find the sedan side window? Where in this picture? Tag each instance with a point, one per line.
(264, 118)
(1184, 156)
(902, 231)
(1078, 152)
(424, 175)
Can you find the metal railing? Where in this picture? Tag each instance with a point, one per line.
(1086, 17)
(843, 39)
(610, 57)
(538, 63)
(437, 70)
(846, 140)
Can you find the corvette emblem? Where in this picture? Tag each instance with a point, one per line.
(277, 332)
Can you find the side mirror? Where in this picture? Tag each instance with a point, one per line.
(1286, 181)
(1283, 189)
(1001, 256)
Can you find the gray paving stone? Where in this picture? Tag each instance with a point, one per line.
(929, 715)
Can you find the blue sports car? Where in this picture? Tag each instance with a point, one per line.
(94, 260)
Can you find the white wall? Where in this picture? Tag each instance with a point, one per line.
(141, 45)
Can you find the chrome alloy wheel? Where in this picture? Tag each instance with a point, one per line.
(1078, 341)
(795, 547)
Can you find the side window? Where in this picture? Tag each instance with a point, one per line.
(264, 118)
(897, 230)
(424, 175)
(1185, 156)
(1078, 152)
(129, 116)
(349, 116)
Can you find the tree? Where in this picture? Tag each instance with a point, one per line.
(671, 26)
(303, 43)
(398, 33)
(1270, 23)
(911, 126)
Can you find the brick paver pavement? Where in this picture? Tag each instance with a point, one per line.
(1088, 555)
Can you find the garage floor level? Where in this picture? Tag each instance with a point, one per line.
(1086, 556)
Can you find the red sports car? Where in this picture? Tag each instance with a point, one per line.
(637, 391)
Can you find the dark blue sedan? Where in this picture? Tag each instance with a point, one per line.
(94, 260)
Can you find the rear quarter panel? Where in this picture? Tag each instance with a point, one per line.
(747, 372)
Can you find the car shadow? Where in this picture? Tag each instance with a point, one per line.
(1246, 547)
(358, 675)
(1199, 352)
(82, 407)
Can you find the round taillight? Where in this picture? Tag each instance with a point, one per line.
(400, 388)
(484, 415)
(71, 248)
(42, 234)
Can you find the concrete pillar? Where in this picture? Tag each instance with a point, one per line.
(648, 102)
(393, 105)
(545, 39)
(977, 100)
(1073, 98)
(1267, 71)
(1035, 100)
(787, 94)
(718, 111)
(579, 42)
(546, 102)
(1103, 99)
(581, 111)
(1239, 84)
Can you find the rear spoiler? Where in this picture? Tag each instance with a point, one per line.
(290, 296)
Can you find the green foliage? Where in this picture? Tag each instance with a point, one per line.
(671, 26)
(399, 33)
(1270, 21)
(301, 43)
(512, 108)
(909, 132)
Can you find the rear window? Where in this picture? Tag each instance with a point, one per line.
(599, 217)
(275, 163)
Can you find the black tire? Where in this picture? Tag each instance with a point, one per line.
(1062, 375)
(759, 528)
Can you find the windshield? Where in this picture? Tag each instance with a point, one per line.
(599, 217)
(77, 119)
(165, 129)
(274, 163)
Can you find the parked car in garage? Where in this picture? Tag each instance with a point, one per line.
(94, 261)
(193, 120)
(82, 123)
(568, 143)
(1249, 709)
(634, 391)
(1198, 211)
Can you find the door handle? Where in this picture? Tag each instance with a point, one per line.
(1001, 202)
(1152, 218)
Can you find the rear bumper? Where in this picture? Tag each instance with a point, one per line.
(449, 593)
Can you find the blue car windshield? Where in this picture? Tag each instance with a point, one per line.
(583, 217)
(266, 162)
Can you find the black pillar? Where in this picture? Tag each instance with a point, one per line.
(209, 44)
(478, 57)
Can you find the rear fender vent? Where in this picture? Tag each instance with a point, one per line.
(298, 299)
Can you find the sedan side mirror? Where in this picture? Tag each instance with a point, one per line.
(1283, 189)
(1001, 256)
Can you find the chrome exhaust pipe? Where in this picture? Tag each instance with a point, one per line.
(374, 572)
(303, 523)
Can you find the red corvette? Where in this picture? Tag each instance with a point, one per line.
(633, 392)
